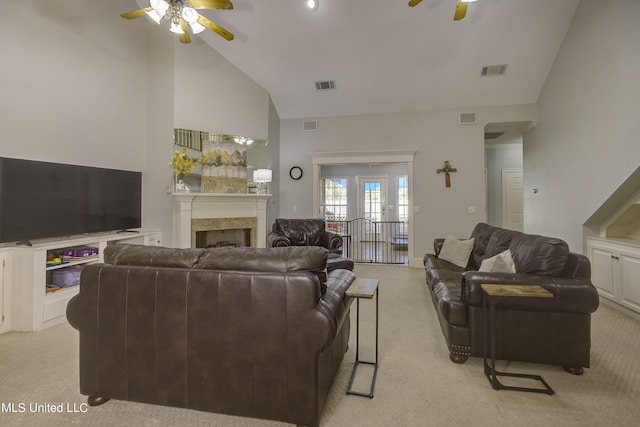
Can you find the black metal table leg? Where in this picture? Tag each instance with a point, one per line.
(490, 370)
(365, 362)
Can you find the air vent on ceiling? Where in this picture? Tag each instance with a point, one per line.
(493, 70)
(326, 85)
(493, 135)
(467, 118)
(310, 126)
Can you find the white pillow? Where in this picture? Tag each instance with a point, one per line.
(501, 263)
(456, 251)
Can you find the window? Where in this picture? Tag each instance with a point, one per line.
(334, 203)
(403, 198)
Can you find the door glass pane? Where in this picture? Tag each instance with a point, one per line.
(334, 203)
(373, 201)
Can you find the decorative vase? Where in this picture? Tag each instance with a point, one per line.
(181, 187)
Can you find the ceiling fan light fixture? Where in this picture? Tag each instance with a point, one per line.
(196, 27)
(154, 15)
(159, 6)
(190, 15)
(176, 28)
(311, 4)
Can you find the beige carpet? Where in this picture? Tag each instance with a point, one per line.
(417, 385)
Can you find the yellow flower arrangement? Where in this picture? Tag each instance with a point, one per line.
(183, 164)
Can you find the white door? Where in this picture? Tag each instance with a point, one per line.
(602, 263)
(513, 199)
(372, 201)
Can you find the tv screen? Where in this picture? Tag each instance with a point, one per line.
(41, 200)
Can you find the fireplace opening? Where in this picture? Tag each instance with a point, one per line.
(230, 238)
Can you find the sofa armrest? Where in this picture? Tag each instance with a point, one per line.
(275, 239)
(331, 241)
(569, 295)
(437, 245)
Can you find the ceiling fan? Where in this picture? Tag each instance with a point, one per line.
(182, 14)
(461, 8)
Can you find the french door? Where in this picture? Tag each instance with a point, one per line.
(372, 204)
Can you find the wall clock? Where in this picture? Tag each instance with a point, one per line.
(295, 172)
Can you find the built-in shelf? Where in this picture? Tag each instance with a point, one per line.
(33, 307)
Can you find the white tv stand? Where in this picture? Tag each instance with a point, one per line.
(27, 306)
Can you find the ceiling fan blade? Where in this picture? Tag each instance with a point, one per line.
(136, 13)
(461, 11)
(184, 38)
(211, 4)
(413, 3)
(215, 27)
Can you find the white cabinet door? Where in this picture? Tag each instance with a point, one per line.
(602, 274)
(615, 271)
(630, 281)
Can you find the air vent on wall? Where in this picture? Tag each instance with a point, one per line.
(326, 85)
(467, 118)
(310, 126)
(493, 70)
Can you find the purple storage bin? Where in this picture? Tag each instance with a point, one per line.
(80, 251)
(65, 277)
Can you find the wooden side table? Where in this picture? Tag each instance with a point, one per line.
(492, 294)
(363, 288)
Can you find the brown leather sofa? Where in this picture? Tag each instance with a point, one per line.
(242, 331)
(309, 232)
(544, 330)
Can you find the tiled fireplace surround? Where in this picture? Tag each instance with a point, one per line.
(194, 212)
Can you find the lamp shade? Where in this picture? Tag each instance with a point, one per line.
(262, 175)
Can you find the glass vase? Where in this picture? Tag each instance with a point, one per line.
(180, 186)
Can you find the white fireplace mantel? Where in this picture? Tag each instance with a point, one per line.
(188, 206)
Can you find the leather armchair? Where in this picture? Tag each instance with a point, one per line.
(303, 232)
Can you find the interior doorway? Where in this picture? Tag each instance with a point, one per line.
(378, 192)
(504, 178)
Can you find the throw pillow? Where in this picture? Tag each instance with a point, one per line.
(501, 263)
(456, 251)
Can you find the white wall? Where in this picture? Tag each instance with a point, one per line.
(435, 135)
(73, 83)
(585, 143)
(81, 85)
(212, 95)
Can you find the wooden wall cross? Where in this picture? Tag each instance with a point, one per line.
(447, 169)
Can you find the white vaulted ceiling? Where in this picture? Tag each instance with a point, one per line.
(385, 56)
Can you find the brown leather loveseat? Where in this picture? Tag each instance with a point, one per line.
(542, 330)
(242, 331)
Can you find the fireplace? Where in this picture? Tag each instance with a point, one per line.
(223, 232)
(199, 212)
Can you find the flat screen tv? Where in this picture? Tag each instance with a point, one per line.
(43, 200)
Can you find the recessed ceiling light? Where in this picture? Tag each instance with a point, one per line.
(311, 4)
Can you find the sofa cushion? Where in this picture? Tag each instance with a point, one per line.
(154, 256)
(501, 263)
(438, 269)
(542, 255)
(481, 234)
(278, 260)
(500, 241)
(456, 251)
